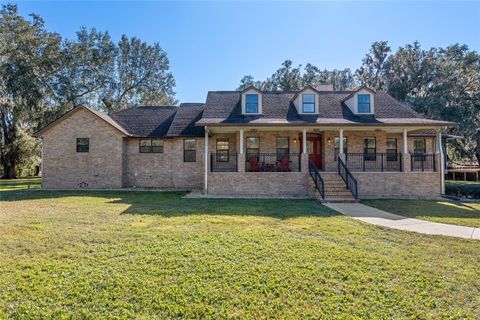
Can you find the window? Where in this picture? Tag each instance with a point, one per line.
(253, 147)
(223, 150)
(419, 146)
(189, 150)
(391, 149)
(83, 144)
(308, 103)
(363, 103)
(151, 146)
(283, 147)
(336, 143)
(251, 103)
(369, 148)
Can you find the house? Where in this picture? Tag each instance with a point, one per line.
(334, 144)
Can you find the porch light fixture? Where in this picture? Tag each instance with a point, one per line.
(329, 141)
(295, 140)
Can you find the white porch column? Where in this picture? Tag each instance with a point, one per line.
(442, 160)
(341, 142)
(304, 141)
(407, 160)
(405, 141)
(241, 141)
(205, 181)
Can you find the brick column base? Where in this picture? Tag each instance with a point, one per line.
(304, 162)
(407, 162)
(241, 162)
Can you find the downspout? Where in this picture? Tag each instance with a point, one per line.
(442, 161)
(205, 181)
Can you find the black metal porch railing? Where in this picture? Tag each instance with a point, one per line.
(317, 178)
(423, 162)
(348, 178)
(390, 161)
(223, 162)
(272, 162)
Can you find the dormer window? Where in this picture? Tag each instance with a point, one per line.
(251, 103)
(364, 103)
(308, 103)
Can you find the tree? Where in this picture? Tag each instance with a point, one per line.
(372, 71)
(289, 78)
(141, 76)
(42, 76)
(248, 81)
(442, 83)
(88, 69)
(30, 57)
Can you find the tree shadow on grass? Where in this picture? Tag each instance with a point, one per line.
(172, 204)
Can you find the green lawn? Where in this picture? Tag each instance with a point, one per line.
(18, 184)
(459, 213)
(157, 255)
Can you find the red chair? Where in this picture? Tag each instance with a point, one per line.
(284, 164)
(254, 164)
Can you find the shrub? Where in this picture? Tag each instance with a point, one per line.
(468, 190)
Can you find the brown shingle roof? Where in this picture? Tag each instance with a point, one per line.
(161, 121)
(146, 121)
(99, 114)
(224, 107)
(183, 123)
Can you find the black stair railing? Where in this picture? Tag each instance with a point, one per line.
(348, 178)
(317, 178)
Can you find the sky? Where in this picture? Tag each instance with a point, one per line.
(212, 45)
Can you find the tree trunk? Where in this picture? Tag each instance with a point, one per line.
(9, 171)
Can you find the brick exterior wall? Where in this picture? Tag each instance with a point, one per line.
(114, 161)
(398, 184)
(164, 170)
(258, 183)
(65, 168)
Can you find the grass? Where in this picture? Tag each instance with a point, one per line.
(459, 213)
(19, 184)
(158, 255)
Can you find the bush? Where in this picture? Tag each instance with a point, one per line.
(467, 190)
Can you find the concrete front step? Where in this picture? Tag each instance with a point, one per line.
(335, 190)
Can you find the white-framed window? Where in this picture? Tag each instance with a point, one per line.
(308, 103)
(251, 103)
(364, 105)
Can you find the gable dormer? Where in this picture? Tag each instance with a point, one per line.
(306, 101)
(251, 101)
(361, 102)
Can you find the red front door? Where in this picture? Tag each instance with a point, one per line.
(314, 150)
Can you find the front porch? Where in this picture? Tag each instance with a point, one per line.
(280, 161)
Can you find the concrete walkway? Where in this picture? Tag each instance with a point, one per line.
(382, 218)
